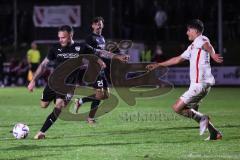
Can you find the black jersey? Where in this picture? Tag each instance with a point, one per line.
(96, 41)
(59, 54)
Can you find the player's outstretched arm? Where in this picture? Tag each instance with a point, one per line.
(110, 55)
(122, 58)
(107, 54)
(41, 68)
(209, 48)
(170, 62)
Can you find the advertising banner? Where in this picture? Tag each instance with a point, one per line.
(55, 16)
(222, 75)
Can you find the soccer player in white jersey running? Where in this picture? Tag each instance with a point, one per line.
(198, 54)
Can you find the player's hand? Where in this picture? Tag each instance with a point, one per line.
(123, 58)
(151, 67)
(217, 58)
(31, 86)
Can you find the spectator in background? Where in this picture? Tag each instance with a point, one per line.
(158, 57)
(22, 72)
(158, 54)
(12, 75)
(160, 19)
(33, 57)
(146, 54)
(2, 60)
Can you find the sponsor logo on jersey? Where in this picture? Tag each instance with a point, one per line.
(102, 46)
(77, 48)
(68, 55)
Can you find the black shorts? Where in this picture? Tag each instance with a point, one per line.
(101, 82)
(34, 66)
(49, 95)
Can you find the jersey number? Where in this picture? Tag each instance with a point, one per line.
(100, 83)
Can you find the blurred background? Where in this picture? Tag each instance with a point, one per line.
(157, 28)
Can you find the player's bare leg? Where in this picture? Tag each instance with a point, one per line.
(181, 108)
(214, 133)
(101, 94)
(44, 104)
(80, 101)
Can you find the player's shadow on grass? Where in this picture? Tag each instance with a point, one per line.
(125, 132)
(37, 147)
(30, 125)
(30, 157)
(146, 130)
(159, 131)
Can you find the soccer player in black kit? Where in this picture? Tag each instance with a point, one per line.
(66, 49)
(96, 40)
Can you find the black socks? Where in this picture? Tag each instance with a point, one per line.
(50, 119)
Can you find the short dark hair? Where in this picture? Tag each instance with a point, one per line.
(196, 24)
(66, 28)
(97, 19)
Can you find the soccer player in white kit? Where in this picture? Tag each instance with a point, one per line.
(198, 54)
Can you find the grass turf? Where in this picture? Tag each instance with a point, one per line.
(149, 130)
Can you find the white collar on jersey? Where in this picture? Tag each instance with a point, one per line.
(200, 35)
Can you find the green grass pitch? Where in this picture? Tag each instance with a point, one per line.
(128, 132)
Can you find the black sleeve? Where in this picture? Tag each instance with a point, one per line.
(87, 49)
(90, 41)
(51, 54)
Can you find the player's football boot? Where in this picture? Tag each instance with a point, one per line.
(91, 120)
(214, 136)
(40, 135)
(203, 124)
(77, 105)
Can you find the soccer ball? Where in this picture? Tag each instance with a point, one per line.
(20, 131)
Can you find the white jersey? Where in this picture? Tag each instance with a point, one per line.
(200, 69)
